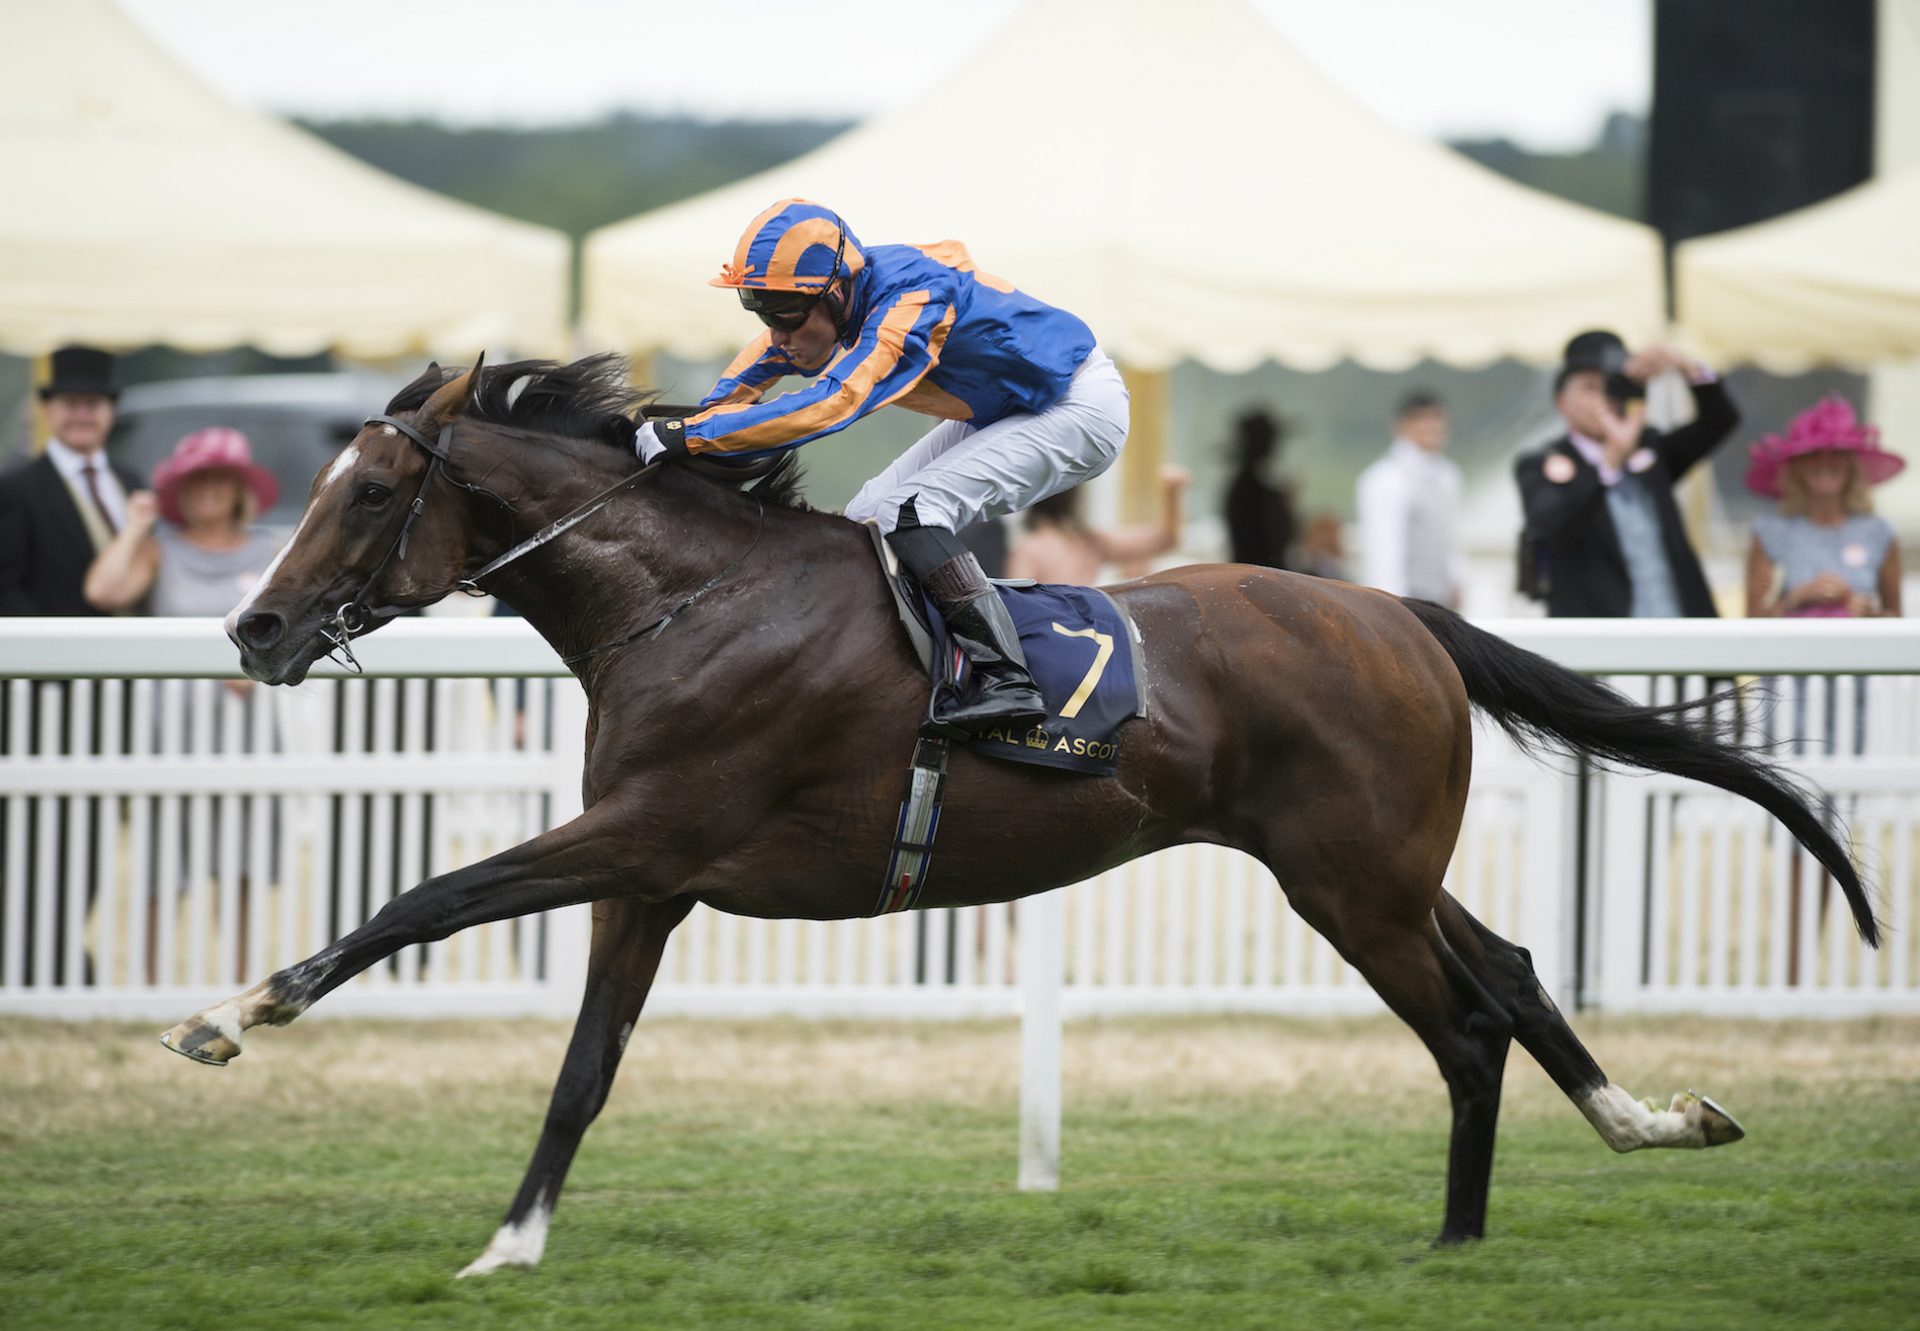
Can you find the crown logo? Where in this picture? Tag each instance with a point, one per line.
(1037, 738)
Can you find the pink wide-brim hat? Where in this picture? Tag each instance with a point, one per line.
(1828, 426)
(216, 449)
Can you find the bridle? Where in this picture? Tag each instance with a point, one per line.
(357, 616)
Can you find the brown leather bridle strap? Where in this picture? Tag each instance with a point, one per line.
(357, 617)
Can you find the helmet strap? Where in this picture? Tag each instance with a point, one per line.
(836, 307)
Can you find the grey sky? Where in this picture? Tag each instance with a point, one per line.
(1543, 72)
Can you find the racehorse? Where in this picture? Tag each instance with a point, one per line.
(753, 699)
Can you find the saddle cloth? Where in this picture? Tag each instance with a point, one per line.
(1084, 654)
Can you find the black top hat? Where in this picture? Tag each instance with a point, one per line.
(81, 370)
(1597, 349)
(1257, 433)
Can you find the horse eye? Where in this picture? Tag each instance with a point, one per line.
(372, 495)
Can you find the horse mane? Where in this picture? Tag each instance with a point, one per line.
(589, 399)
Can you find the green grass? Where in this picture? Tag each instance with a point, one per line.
(856, 1176)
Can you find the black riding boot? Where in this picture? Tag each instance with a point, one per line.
(999, 691)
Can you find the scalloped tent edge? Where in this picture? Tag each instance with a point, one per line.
(144, 208)
(1833, 284)
(1180, 178)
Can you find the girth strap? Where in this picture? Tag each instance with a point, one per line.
(911, 858)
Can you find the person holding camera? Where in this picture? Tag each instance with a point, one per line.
(1603, 532)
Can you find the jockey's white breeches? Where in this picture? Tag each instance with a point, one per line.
(959, 474)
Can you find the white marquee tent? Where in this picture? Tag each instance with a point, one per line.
(1836, 283)
(1184, 181)
(140, 207)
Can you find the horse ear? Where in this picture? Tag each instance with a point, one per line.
(454, 396)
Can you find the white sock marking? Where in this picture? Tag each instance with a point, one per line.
(514, 1245)
(1626, 1124)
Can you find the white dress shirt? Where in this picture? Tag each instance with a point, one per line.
(70, 463)
(1408, 503)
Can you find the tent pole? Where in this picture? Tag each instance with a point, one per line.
(1893, 388)
(1151, 409)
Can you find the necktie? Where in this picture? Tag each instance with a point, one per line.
(99, 504)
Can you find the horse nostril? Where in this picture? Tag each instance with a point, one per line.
(261, 629)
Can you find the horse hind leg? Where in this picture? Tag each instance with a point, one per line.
(1623, 1122)
(1466, 1031)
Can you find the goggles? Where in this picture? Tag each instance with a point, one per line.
(784, 310)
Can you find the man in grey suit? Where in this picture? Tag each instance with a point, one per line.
(58, 511)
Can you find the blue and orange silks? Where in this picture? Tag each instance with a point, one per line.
(929, 332)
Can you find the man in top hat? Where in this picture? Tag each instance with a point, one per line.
(1601, 517)
(60, 510)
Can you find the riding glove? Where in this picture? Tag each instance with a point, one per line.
(660, 438)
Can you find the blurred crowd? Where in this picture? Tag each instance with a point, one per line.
(82, 535)
(1603, 534)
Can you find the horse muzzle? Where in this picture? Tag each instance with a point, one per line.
(270, 650)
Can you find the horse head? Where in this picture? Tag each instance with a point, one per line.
(372, 542)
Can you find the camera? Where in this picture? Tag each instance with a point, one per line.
(1622, 389)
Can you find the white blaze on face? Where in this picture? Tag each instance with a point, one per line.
(340, 467)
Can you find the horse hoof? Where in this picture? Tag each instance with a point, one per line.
(202, 1043)
(1717, 1125)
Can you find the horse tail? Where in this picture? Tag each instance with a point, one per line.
(1544, 705)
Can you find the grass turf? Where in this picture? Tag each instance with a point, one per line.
(1217, 1173)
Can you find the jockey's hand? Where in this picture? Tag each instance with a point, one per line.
(663, 438)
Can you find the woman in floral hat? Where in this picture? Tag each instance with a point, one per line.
(1824, 553)
(190, 547)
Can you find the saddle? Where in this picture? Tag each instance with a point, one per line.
(1083, 653)
(1088, 699)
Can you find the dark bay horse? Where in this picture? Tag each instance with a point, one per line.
(749, 752)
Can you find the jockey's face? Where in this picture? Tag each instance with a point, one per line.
(809, 345)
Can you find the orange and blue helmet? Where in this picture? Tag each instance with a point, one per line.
(793, 246)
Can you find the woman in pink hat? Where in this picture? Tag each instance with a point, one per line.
(190, 547)
(1824, 553)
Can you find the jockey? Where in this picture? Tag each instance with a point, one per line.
(1030, 406)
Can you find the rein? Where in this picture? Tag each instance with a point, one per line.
(653, 629)
(356, 617)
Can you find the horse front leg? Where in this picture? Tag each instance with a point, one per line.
(582, 861)
(628, 939)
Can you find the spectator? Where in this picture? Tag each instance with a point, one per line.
(1600, 512)
(56, 513)
(1322, 552)
(206, 553)
(1058, 545)
(1260, 527)
(1408, 501)
(1825, 553)
(60, 510)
